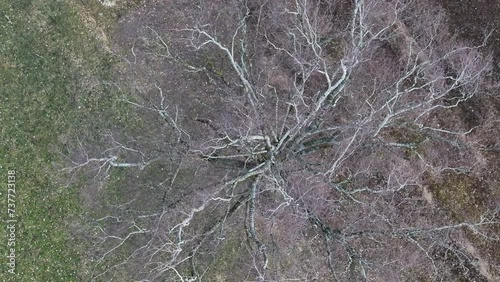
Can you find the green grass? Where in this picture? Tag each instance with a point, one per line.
(45, 53)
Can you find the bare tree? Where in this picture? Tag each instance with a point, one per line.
(312, 137)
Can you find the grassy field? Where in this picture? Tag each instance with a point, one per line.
(47, 52)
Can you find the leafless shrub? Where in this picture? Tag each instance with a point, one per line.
(313, 132)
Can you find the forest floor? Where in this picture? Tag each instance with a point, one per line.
(50, 51)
